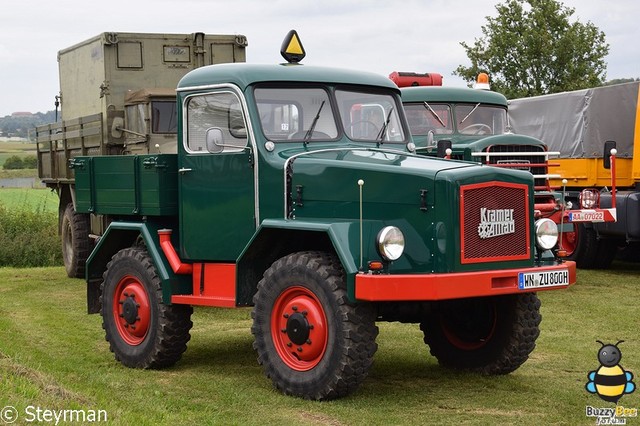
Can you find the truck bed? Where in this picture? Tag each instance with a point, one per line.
(127, 184)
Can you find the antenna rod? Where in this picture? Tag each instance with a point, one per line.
(361, 184)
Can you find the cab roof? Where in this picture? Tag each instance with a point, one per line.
(451, 94)
(244, 75)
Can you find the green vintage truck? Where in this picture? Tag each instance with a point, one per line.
(294, 191)
(474, 125)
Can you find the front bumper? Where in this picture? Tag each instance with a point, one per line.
(431, 287)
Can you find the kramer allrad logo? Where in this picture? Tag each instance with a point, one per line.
(496, 222)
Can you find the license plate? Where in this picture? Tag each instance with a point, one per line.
(586, 216)
(543, 279)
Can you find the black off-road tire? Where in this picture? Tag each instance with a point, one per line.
(76, 245)
(489, 335)
(591, 252)
(311, 342)
(142, 331)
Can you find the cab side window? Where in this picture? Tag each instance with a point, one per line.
(215, 123)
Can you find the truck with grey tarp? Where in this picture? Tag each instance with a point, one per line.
(584, 126)
(117, 97)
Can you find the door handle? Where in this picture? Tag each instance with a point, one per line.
(183, 170)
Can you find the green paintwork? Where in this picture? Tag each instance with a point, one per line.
(452, 95)
(391, 196)
(231, 203)
(245, 75)
(216, 205)
(127, 185)
(120, 235)
(464, 145)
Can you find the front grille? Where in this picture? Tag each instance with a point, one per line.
(494, 222)
(522, 162)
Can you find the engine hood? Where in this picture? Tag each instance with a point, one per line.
(327, 183)
(422, 196)
(479, 143)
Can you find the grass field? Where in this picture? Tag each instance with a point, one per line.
(28, 198)
(54, 356)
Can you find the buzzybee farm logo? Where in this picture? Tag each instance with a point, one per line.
(610, 382)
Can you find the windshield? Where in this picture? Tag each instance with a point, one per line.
(296, 114)
(308, 114)
(478, 119)
(369, 116)
(427, 117)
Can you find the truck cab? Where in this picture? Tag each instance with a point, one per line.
(150, 121)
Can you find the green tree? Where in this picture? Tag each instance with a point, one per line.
(13, 163)
(30, 162)
(531, 48)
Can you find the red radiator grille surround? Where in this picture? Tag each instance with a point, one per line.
(494, 196)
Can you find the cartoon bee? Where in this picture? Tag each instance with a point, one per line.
(610, 381)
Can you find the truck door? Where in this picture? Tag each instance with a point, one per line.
(217, 201)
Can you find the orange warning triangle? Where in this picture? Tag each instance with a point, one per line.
(294, 46)
(291, 48)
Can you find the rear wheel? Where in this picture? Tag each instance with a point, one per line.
(311, 342)
(76, 245)
(490, 335)
(141, 330)
(591, 252)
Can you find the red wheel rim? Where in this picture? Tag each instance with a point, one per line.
(131, 310)
(471, 333)
(299, 328)
(570, 241)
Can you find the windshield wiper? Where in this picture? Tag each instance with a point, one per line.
(467, 116)
(435, 114)
(383, 130)
(307, 136)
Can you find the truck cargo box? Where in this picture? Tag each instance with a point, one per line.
(98, 73)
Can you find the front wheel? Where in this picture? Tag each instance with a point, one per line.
(489, 335)
(141, 330)
(310, 340)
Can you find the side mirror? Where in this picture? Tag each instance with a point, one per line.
(430, 138)
(214, 140)
(606, 155)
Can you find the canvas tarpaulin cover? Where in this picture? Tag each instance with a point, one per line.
(578, 123)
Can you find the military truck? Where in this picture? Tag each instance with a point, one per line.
(583, 126)
(293, 191)
(474, 125)
(117, 92)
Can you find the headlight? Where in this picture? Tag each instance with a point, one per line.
(589, 198)
(390, 243)
(546, 234)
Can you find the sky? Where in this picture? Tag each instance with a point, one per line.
(375, 35)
